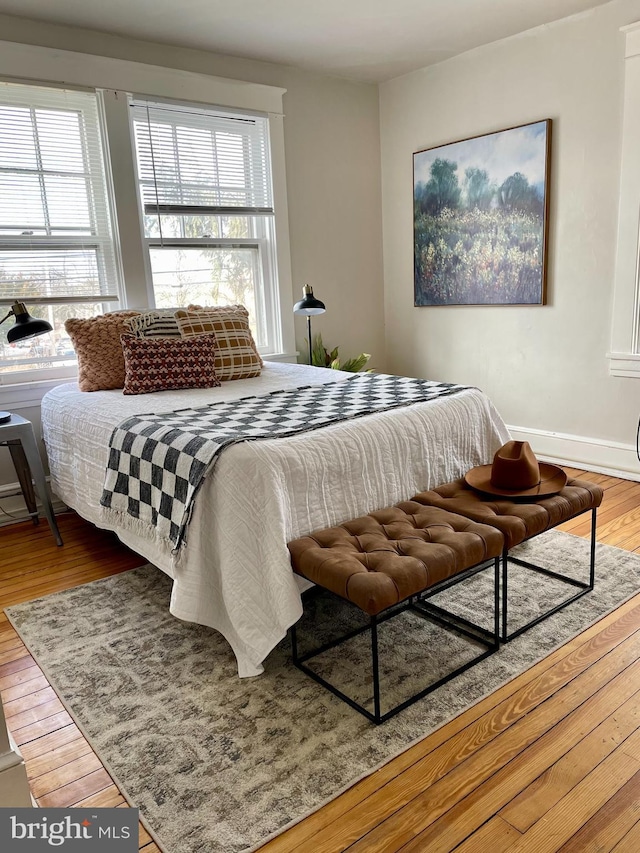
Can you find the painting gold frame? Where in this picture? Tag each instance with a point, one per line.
(481, 219)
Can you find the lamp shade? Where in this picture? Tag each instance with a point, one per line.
(25, 326)
(309, 305)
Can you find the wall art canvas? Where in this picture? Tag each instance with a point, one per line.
(481, 219)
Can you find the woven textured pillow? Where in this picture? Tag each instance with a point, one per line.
(97, 345)
(153, 324)
(236, 355)
(165, 364)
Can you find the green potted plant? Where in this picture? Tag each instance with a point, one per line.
(323, 358)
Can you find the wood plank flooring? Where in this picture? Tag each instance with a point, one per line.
(549, 763)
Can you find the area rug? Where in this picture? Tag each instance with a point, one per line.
(218, 764)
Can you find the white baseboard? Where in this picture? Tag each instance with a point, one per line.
(592, 454)
(576, 451)
(14, 784)
(11, 501)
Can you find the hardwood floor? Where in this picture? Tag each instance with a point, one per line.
(549, 762)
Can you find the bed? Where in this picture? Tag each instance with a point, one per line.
(233, 573)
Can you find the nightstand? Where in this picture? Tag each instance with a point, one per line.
(17, 434)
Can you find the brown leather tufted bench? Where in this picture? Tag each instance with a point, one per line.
(518, 521)
(392, 560)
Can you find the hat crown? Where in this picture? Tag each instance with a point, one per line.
(515, 467)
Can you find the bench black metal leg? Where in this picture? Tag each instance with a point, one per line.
(592, 571)
(505, 595)
(489, 640)
(376, 668)
(496, 598)
(583, 587)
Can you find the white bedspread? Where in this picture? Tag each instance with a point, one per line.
(233, 573)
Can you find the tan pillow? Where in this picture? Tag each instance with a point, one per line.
(228, 311)
(236, 355)
(99, 351)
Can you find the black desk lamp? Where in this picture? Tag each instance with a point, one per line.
(25, 326)
(308, 306)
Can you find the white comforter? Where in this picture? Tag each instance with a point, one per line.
(233, 573)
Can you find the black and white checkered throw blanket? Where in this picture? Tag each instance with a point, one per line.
(158, 461)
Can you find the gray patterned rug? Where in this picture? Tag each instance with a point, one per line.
(216, 763)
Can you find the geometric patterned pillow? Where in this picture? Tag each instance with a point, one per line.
(165, 364)
(236, 355)
(227, 311)
(153, 324)
(96, 341)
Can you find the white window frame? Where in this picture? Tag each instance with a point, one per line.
(263, 241)
(115, 78)
(102, 241)
(624, 356)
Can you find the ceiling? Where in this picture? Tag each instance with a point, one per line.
(368, 40)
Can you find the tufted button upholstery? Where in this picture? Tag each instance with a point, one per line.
(518, 520)
(385, 557)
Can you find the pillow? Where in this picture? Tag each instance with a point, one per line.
(97, 345)
(165, 364)
(220, 309)
(153, 324)
(236, 356)
(228, 310)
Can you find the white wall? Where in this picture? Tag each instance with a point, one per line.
(331, 129)
(544, 367)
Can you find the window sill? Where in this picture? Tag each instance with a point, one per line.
(624, 364)
(26, 395)
(291, 357)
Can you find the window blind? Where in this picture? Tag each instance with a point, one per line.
(56, 241)
(49, 275)
(195, 162)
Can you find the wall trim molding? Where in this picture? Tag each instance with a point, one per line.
(593, 454)
(577, 451)
(632, 39)
(624, 364)
(28, 62)
(27, 395)
(625, 320)
(11, 501)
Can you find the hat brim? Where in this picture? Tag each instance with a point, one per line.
(552, 480)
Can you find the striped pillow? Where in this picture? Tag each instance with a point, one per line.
(153, 324)
(236, 355)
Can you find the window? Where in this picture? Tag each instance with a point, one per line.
(624, 356)
(56, 242)
(205, 192)
(66, 153)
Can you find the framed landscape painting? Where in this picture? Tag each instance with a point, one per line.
(480, 214)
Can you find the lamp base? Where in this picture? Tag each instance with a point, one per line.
(4, 417)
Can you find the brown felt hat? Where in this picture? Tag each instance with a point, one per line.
(516, 473)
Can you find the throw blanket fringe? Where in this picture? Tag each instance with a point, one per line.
(157, 462)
